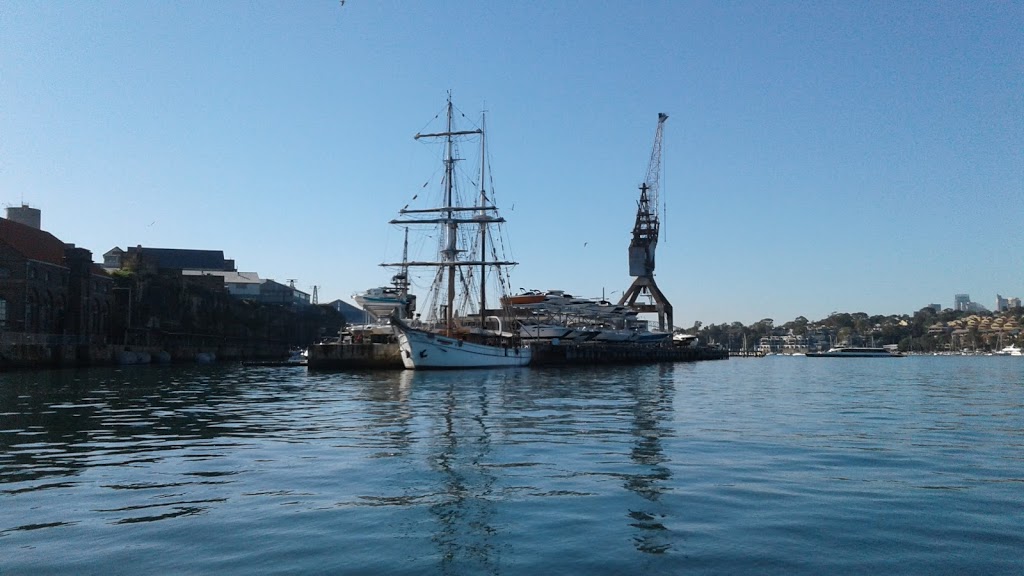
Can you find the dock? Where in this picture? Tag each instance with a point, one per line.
(386, 356)
(589, 353)
(361, 356)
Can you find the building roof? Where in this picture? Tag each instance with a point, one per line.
(230, 277)
(183, 259)
(32, 243)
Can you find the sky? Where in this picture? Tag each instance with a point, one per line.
(818, 157)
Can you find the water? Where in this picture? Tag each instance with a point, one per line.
(758, 466)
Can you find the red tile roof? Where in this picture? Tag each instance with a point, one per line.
(32, 243)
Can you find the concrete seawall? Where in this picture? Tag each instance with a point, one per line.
(30, 351)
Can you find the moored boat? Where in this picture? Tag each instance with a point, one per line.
(544, 331)
(384, 300)
(855, 352)
(458, 330)
(422, 349)
(524, 299)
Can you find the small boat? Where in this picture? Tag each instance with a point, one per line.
(852, 352)
(524, 299)
(296, 357)
(384, 301)
(684, 339)
(382, 298)
(1011, 350)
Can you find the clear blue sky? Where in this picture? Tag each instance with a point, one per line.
(819, 156)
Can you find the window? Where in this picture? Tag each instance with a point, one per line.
(5, 272)
(3, 312)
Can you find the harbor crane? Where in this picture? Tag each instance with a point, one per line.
(645, 241)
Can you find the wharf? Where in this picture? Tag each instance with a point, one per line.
(368, 355)
(273, 363)
(589, 353)
(336, 356)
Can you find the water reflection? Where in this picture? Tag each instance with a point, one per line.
(59, 427)
(519, 471)
(652, 397)
(459, 440)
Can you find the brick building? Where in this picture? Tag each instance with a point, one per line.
(51, 288)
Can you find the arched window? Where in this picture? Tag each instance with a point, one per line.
(30, 313)
(45, 314)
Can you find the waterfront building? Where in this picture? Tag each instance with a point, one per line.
(242, 285)
(49, 290)
(207, 267)
(787, 344)
(26, 215)
(166, 259)
(272, 292)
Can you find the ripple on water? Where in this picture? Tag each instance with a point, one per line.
(746, 466)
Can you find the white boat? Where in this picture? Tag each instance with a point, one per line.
(385, 301)
(684, 339)
(422, 349)
(544, 331)
(1011, 350)
(457, 331)
(650, 336)
(581, 332)
(298, 356)
(853, 352)
(382, 301)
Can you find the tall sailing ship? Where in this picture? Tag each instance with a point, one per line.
(460, 330)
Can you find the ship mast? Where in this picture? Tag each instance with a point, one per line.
(451, 250)
(450, 215)
(483, 223)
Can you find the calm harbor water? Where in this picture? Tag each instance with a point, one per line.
(776, 465)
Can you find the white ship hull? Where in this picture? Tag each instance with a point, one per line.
(425, 350)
